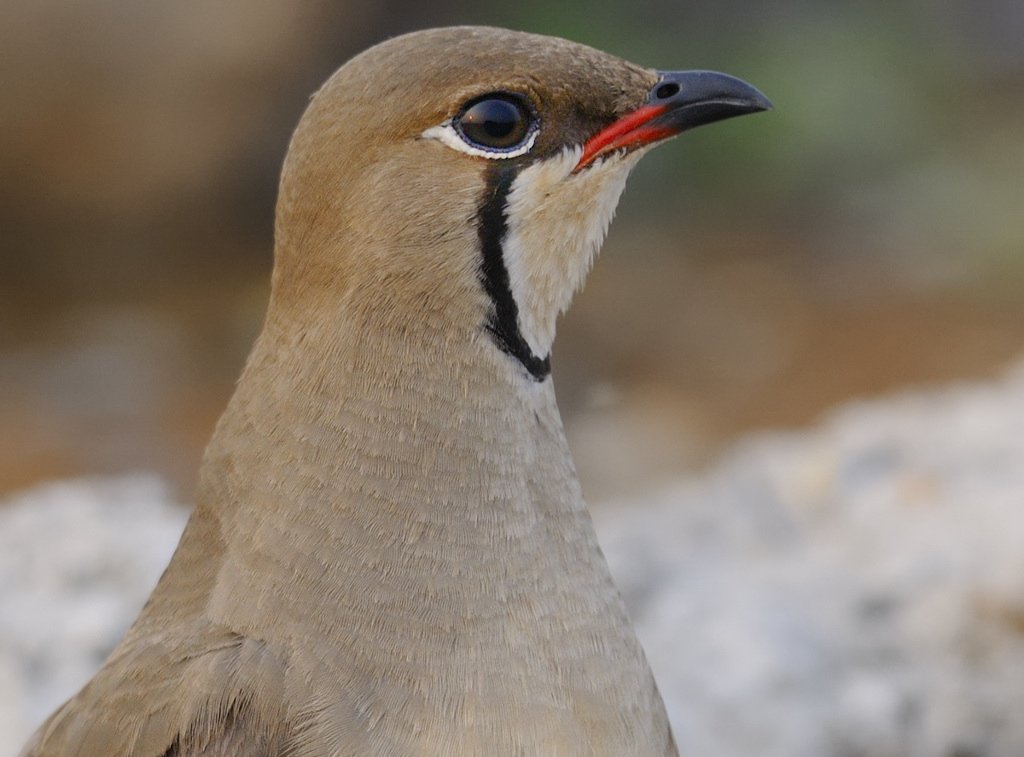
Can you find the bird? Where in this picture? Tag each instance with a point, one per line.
(389, 552)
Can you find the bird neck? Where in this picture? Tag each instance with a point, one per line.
(428, 458)
(391, 512)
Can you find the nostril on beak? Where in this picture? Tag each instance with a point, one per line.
(666, 90)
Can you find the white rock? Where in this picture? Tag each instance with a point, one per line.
(77, 560)
(856, 589)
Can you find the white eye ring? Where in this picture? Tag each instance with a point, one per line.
(446, 134)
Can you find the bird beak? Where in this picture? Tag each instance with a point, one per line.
(680, 100)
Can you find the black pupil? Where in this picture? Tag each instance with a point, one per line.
(495, 122)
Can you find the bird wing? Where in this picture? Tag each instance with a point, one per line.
(221, 698)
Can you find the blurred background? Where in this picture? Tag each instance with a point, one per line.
(867, 235)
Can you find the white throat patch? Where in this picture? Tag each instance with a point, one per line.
(556, 223)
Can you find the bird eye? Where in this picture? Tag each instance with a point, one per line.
(497, 122)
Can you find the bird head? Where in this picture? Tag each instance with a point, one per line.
(460, 181)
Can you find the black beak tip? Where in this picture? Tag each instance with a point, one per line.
(694, 98)
(761, 103)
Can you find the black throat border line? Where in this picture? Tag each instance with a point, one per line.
(503, 320)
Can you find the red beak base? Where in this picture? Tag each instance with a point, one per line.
(633, 130)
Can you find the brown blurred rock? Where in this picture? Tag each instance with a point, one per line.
(125, 123)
